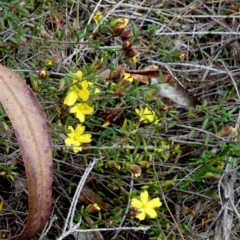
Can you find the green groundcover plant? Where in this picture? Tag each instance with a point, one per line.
(157, 165)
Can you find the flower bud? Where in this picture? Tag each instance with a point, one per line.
(96, 65)
(151, 95)
(126, 34)
(164, 108)
(234, 7)
(4, 128)
(35, 84)
(145, 164)
(123, 84)
(42, 74)
(118, 30)
(180, 56)
(113, 164)
(48, 62)
(226, 131)
(122, 21)
(114, 188)
(167, 184)
(119, 93)
(130, 53)
(126, 45)
(135, 169)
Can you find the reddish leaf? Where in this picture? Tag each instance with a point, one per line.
(168, 86)
(34, 139)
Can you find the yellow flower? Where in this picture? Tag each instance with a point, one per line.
(95, 205)
(48, 62)
(96, 90)
(128, 77)
(123, 22)
(76, 137)
(97, 17)
(135, 58)
(146, 207)
(180, 56)
(75, 92)
(81, 109)
(146, 115)
(79, 90)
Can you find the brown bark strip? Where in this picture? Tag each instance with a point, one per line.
(34, 138)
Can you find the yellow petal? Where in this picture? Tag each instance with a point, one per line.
(84, 94)
(85, 108)
(96, 207)
(155, 202)
(71, 98)
(97, 90)
(78, 74)
(124, 22)
(97, 17)
(85, 138)
(141, 215)
(151, 212)
(107, 123)
(77, 149)
(74, 109)
(71, 141)
(71, 133)
(84, 84)
(144, 197)
(136, 203)
(79, 130)
(70, 128)
(80, 116)
(128, 77)
(137, 111)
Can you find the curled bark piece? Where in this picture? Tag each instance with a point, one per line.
(34, 138)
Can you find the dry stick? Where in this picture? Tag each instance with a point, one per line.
(194, 65)
(47, 227)
(225, 44)
(97, 234)
(75, 227)
(226, 188)
(165, 202)
(196, 194)
(73, 206)
(224, 223)
(195, 33)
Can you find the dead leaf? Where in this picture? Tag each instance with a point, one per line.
(34, 138)
(109, 74)
(168, 86)
(176, 93)
(89, 196)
